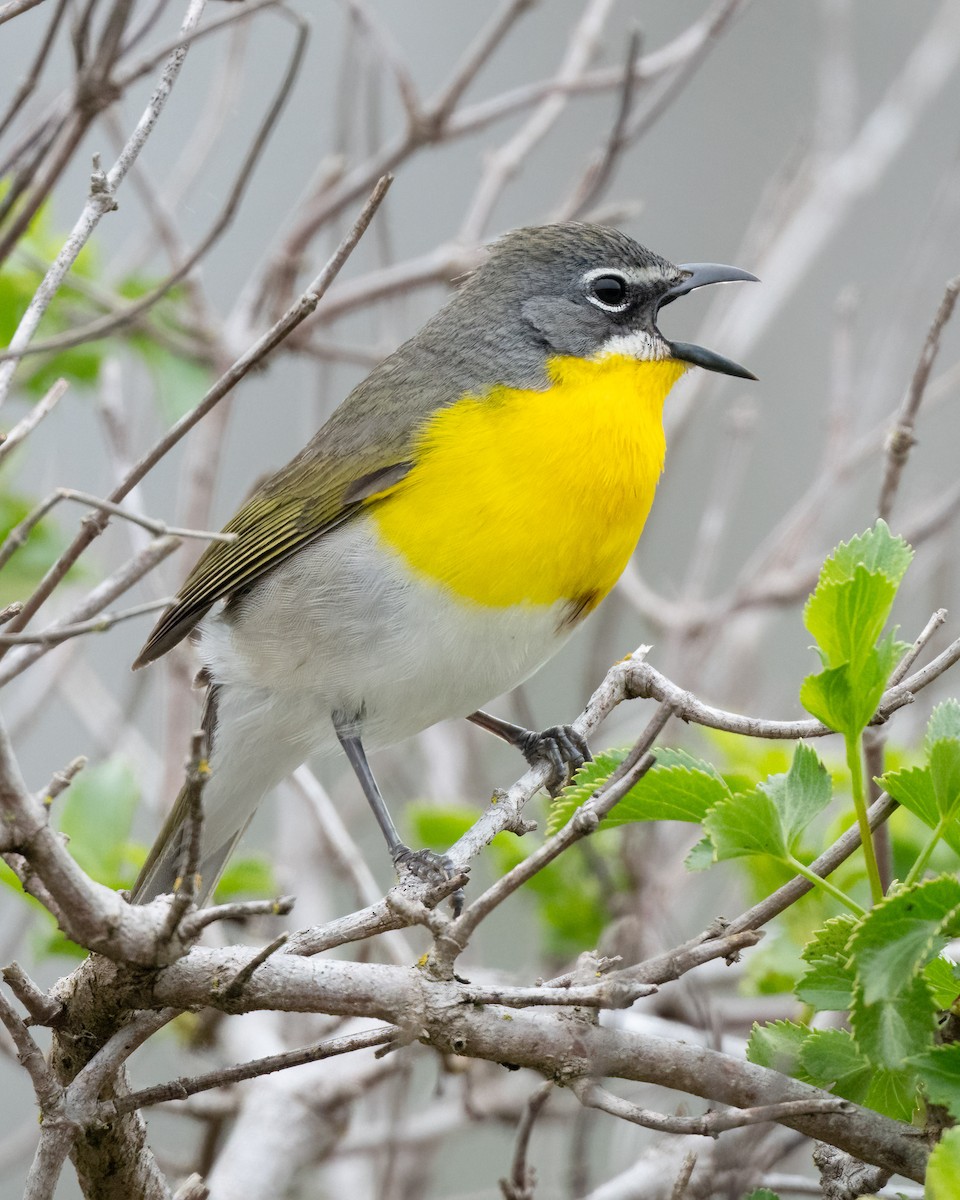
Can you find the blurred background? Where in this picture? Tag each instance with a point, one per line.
(813, 144)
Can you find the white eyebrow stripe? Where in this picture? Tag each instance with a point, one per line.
(651, 274)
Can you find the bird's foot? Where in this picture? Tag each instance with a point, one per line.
(432, 869)
(561, 747)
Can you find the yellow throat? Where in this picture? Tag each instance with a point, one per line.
(533, 497)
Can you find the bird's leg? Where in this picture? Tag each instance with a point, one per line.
(427, 865)
(562, 747)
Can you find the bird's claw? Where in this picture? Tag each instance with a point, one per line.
(430, 868)
(561, 747)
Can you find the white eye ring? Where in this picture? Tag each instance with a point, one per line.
(593, 281)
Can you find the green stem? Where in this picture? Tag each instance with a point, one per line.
(855, 766)
(920, 865)
(826, 885)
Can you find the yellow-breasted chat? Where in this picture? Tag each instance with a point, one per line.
(444, 533)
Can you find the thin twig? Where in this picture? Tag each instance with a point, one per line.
(27, 424)
(127, 313)
(584, 821)
(101, 200)
(900, 439)
(522, 1179)
(297, 313)
(180, 1089)
(236, 985)
(710, 1124)
(916, 649)
(13, 8)
(158, 528)
(43, 1009)
(93, 603)
(99, 624)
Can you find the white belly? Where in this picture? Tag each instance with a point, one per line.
(343, 627)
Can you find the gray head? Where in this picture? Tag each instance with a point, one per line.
(574, 289)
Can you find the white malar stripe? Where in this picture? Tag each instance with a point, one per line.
(638, 344)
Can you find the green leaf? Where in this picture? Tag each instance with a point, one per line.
(893, 1093)
(831, 1059)
(943, 979)
(740, 826)
(943, 1168)
(777, 1045)
(913, 788)
(801, 794)
(96, 814)
(700, 855)
(830, 940)
(762, 1194)
(944, 723)
(828, 986)
(877, 549)
(895, 1027)
(678, 787)
(938, 1069)
(828, 983)
(902, 933)
(846, 697)
(848, 617)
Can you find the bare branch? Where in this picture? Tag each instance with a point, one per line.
(13, 8)
(522, 1179)
(711, 1124)
(900, 439)
(93, 603)
(180, 1089)
(253, 356)
(42, 1008)
(100, 624)
(101, 200)
(33, 418)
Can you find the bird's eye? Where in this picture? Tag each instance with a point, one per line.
(608, 291)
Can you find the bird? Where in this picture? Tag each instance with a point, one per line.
(445, 532)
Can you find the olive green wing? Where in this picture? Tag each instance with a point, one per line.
(299, 504)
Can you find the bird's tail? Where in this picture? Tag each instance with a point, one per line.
(168, 860)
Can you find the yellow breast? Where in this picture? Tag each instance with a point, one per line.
(530, 497)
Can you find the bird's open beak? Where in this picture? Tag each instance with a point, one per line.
(699, 274)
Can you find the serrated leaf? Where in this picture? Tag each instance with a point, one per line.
(945, 775)
(777, 1045)
(831, 1059)
(938, 1069)
(801, 794)
(762, 1193)
(944, 723)
(700, 856)
(943, 979)
(830, 940)
(678, 787)
(847, 617)
(846, 697)
(902, 933)
(586, 780)
(828, 983)
(895, 1027)
(877, 549)
(913, 788)
(827, 986)
(943, 1168)
(740, 826)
